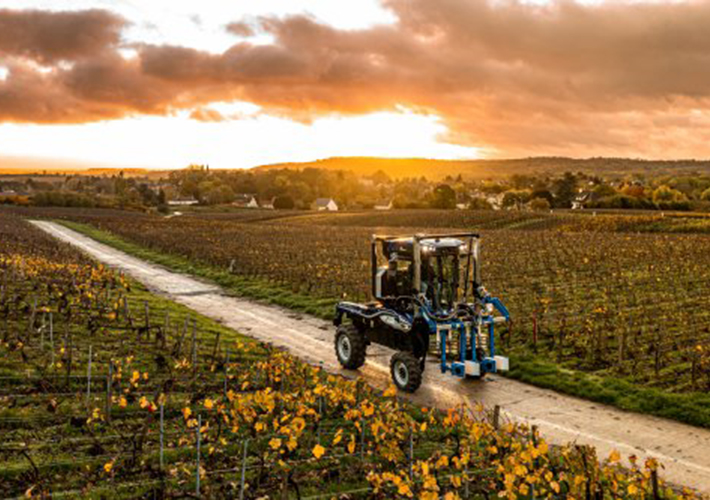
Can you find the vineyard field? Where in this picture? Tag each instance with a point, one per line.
(111, 391)
(616, 316)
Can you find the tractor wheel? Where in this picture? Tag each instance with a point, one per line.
(406, 371)
(350, 347)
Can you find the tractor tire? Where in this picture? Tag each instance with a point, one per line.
(406, 371)
(350, 347)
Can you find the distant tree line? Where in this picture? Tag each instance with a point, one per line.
(289, 188)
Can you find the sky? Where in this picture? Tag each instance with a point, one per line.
(232, 84)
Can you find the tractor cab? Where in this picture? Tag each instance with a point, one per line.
(440, 269)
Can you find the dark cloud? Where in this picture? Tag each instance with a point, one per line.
(514, 78)
(48, 37)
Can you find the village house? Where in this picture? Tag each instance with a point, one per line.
(582, 199)
(245, 200)
(325, 204)
(495, 200)
(383, 205)
(183, 201)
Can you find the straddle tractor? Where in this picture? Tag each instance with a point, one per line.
(427, 297)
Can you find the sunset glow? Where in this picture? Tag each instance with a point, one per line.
(171, 142)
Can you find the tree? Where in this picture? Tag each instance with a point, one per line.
(565, 190)
(634, 190)
(543, 193)
(603, 190)
(380, 177)
(515, 199)
(284, 202)
(213, 194)
(540, 204)
(665, 193)
(443, 197)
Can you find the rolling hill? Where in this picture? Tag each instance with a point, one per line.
(439, 169)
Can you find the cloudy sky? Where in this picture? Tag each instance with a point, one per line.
(164, 83)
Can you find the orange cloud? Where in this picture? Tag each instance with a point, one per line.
(207, 115)
(519, 79)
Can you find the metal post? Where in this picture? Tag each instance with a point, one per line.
(199, 437)
(654, 484)
(226, 373)
(194, 344)
(320, 413)
(244, 470)
(362, 439)
(411, 455)
(109, 382)
(166, 328)
(88, 379)
(466, 484)
(147, 320)
(31, 328)
(162, 432)
(126, 308)
(51, 335)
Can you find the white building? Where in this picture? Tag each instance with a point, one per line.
(383, 205)
(325, 204)
(181, 202)
(246, 201)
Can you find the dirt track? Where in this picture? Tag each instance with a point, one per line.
(684, 450)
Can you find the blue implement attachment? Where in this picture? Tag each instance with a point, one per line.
(476, 343)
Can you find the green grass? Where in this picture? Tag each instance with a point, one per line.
(254, 288)
(691, 408)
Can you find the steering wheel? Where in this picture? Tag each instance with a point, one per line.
(403, 303)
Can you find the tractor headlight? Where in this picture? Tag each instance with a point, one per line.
(489, 308)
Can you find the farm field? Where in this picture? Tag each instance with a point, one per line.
(615, 316)
(139, 395)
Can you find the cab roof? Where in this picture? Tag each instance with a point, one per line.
(404, 246)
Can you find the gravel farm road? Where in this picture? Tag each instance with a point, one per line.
(683, 449)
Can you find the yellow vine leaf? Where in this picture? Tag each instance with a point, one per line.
(404, 490)
(318, 451)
